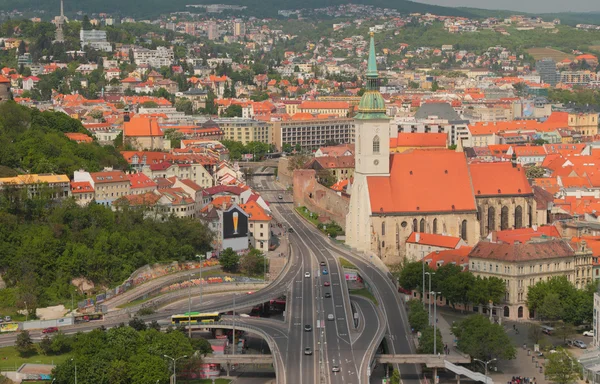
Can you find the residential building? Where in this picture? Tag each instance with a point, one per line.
(159, 57)
(341, 167)
(339, 108)
(239, 28)
(184, 170)
(336, 150)
(108, 185)
(259, 223)
(95, 39)
(82, 192)
(459, 257)
(546, 69)
(420, 244)
(245, 130)
(312, 133)
(212, 30)
(522, 265)
(140, 183)
(58, 186)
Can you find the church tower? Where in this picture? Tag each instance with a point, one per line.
(372, 156)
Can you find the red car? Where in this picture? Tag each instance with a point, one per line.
(50, 330)
(327, 284)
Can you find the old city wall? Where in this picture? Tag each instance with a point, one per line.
(284, 175)
(319, 199)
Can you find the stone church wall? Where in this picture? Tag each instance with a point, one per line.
(319, 199)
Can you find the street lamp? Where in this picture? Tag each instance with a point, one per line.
(174, 366)
(434, 320)
(485, 363)
(430, 274)
(423, 286)
(75, 370)
(233, 336)
(190, 297)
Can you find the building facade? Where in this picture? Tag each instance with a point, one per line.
(245, 130)
(312, 133)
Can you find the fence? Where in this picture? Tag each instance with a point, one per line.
(39, 324)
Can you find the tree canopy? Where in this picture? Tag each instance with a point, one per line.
(483, 340)
(558, 299)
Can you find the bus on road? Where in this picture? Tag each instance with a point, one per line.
(195, 318)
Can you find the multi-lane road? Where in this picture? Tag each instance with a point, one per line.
(340, 353)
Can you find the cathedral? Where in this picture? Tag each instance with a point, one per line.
(424, 190)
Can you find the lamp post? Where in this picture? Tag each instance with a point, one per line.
(174, 366)
(434, 320)
(429, 274)
(233, 336)
(423, 286)
(75, 370)
(485, 363)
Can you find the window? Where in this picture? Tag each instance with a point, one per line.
(376, 145)
(491, 219)
(463, 230)
(518, 217)
(434, 226)
(504, 218)
(415, 226)
(422, 226)
(383, 228)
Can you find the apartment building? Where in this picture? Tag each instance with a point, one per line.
(312, 133)
(259, 223)
(96, 39)
(159, 57)
(245, 130)
(57, 185)
(522, 265)
(82, 192)
(339, 108)
(192, 171)
(108, 185)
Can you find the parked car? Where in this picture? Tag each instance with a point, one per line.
(588, 333)
(579, 344)
(50, 330)
(280, 197)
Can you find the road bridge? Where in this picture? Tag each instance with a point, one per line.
(431, 361)
(238, 359)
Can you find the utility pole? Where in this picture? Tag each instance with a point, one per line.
(174, 366)
(485, 363)
(423, 286)
(233, 339)
(435, 320)
(430, 273)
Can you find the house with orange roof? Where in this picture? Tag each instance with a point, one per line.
(524, 235)
(259, 225)
(79, 137)
(144, 133)
(459, 257)
(340, 167)
(419, 244)
(336, 150)
(140, 183)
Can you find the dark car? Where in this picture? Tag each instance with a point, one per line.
(308, 328)
(50, 330)
(327, 295)
(291, 230)
(323, 263)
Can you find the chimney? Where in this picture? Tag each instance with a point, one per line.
(417, 237)
(513, 160)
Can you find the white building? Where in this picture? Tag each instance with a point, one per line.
(159, 57)
(94, 39)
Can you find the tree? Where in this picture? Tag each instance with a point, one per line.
(426, 342)
(558, 299)
(85, 24)
(483, 340)
(411, 276)
(487, 289)
(287, 148)
(535, 172)
(154, 325)
(326, 177)
(24, 344)
(46, 345)
(22, 48)
(395, 379)
(234, 110)
(563, 330)
(202, 346)
(561, 367)
(252, 263)
(418, 318)
(184, 105)
(61, 343)
(149, 104)
(535, 333)
(552, 308)
(229, 260)
(137, 324)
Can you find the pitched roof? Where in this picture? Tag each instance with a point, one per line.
(524, 235)
(551, 249)
(415, 180)
(331, 162)
(497, 179)
(108, 177)
(419, 139)
(141, 126)
(324, 105)
(433, 239)
(148, 198)
(140, 180)
(441, 110)
(458, 257)
(81, 187)
(255, 211)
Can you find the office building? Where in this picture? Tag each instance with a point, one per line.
(312, 133)
(245, 130)
(546, 69)
(94, 39)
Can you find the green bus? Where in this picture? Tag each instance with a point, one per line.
(196, 318)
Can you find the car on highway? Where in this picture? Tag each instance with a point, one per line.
(335, 368)
(308, 328)
(50, 330)
(249, 292)
(280, 197)
(326, 284)
(322, 263)
(291, 230)
(330, 317)
(306, 274)
(325, 272)
(327, 295)
(308, 351)
(588, 333)
(579, 344)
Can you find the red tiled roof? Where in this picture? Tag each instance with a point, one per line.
(551, 249)
(140, 180)
(500, 178)
(140, 126)
(108, 177)
(255, 212)
(419, 140)
(459, 257)
(524, 235)
(433, 240)
(81, 187)
(415, 180)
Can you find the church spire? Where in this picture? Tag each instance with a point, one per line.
(372, 105)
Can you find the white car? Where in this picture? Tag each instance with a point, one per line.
(306, 274)
(588, 333)
(330, 317)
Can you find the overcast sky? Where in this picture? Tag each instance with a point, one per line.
(533, 6)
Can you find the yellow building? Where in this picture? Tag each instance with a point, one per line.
(522, 265)
(58, 185)
(245, 130)
(339, 108)
(585, 123)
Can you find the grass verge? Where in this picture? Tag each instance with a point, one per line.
(346, 264)
(306, 214)
(10, 358)
(364, 292)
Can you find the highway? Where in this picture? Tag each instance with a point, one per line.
(341, 353)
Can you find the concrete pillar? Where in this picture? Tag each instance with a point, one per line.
(457, 379)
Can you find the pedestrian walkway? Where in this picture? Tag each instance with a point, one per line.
(523, 365)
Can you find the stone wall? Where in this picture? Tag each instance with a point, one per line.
(284, 175)
(319, 199)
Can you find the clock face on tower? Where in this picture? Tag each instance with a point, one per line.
(376, 162)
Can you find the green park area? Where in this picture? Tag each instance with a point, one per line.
(10, 359)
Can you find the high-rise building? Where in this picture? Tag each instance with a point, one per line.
(239, 28)
(213, 31)
(546, 69)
